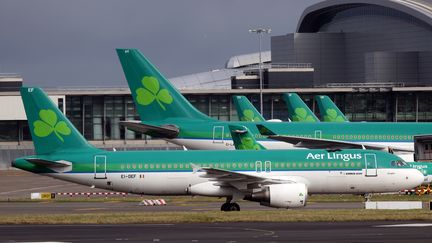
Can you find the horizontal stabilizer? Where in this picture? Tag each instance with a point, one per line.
(265, 131)
(58, 166)
(164, 131)
(49, 163)
(319, 143)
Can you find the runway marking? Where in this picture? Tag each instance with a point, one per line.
(89, 209)
(31, 189)
(403, 225)
(266, 233)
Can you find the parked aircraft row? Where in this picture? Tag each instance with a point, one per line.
(348, 160)
(298, 111)
(173, 118)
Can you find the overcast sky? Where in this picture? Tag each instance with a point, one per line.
(54, 43)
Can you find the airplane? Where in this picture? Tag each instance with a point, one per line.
(274, 178)
(298, 111)
(328, 110)
(247, 112)
(244, 140)
(166, 114)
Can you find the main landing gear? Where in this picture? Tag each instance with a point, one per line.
(226, 207)
(229, 206)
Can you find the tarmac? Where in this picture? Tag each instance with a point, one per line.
(18, 185)
(50, 207)
(222, 232)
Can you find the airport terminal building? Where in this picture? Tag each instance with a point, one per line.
(374, 58)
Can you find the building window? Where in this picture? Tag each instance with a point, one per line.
(406, 107)
(60, 103)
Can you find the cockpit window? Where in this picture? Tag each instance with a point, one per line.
(399, 163)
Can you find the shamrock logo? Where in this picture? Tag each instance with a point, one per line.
(301, 115)
(48, 124)
(248, 115)
(248, 144)
(332, 116)
(152, 92)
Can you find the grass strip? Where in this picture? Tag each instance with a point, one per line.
(341, 215)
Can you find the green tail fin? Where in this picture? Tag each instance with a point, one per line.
(155, 97)
(328, 110)
(50, 129)
(298, 111)
(245, 110)
(243, 139)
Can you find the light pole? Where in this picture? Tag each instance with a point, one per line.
(260, 32)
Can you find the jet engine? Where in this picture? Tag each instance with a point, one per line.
(293, 195)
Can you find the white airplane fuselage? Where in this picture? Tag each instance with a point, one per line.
(317, 182)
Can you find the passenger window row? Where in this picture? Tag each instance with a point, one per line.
(241, 165)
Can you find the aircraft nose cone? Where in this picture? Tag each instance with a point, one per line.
(416, 177)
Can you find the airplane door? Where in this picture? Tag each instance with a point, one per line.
(318, 134)
(267, 166)
(371, 165)
(100, 167)
(218, 132)
(258, 166)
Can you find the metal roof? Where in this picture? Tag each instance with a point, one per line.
(215, 79)
(420, 9)
(220, 78)
(248, 59)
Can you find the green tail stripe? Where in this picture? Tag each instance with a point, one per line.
(155, 97)
(244, 140)
(50, 129)
(245, 110)
(329, 112)
(298, 111)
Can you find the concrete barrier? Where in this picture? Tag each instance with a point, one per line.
(394, 205)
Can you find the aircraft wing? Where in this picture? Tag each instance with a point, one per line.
(319, 143)
(240, 180)
(164, 131)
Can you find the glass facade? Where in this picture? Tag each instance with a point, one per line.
(101, 114)
(98, 116)
(365, 106)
